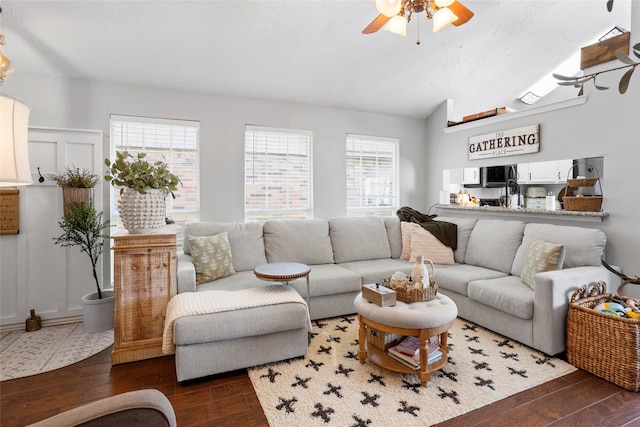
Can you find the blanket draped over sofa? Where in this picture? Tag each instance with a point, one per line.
(444, 231)
(195, 303)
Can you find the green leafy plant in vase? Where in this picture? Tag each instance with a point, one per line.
(76, 184)
(144, 186)
(84, 228)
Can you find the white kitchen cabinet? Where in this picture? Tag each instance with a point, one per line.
(471, 176)
(523, 173)
(551, 172)
(563, 170)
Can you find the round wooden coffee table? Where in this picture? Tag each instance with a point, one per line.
(285, 272)
(419, 319)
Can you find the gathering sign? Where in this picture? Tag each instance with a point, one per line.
(522, 140)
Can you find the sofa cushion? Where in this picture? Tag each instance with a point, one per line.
(465, 226)
(295, 240)
(456, 277)
(358, 239)
(493, 244)
(373, 271)
(424, 243)
(582, 246)
(542, 256)
(234, 324)
(392, 225)
(240, 280)
(508, 294)
(211, 257)
(245, 239)
(328, 280)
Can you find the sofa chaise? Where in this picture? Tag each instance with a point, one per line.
(483, 278)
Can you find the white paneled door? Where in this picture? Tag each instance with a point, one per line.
(34, 272)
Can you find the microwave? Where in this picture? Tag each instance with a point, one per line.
(497, 176)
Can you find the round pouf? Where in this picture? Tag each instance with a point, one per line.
(416, 315)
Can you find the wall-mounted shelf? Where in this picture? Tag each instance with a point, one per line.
(518, 114)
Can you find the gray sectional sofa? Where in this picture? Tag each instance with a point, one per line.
(345, 253)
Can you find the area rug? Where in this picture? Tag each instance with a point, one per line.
(52, 347)
(330, 387)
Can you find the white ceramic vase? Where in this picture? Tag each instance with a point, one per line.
(142, 213)
(420, 273)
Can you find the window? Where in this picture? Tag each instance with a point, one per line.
(372, 175)
(277, 174)
(172, 141)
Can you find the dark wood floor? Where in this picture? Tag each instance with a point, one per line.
(578, 399)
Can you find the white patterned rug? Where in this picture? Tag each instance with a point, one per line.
(52, 347)
(330, 387)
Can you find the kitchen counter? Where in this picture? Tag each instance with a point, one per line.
(525, 213)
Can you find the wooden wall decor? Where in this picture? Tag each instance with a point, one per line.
(604, 51)
(9, 211)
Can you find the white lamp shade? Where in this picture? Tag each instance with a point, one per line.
(14, 143)
(443, 18)
(397, 24)
(388, 7)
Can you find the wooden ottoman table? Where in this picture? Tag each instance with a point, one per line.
(418, 319)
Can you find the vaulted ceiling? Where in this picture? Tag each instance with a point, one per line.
(310, 52)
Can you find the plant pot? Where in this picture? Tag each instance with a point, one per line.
(97, 314)
(75, 195)
(142, 213)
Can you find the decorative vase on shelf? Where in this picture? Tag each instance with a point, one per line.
(142, 213)
(75, 195)
(420, 273)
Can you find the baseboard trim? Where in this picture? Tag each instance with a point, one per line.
(48, 322)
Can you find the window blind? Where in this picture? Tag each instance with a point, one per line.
(372, 175)
(172, 141)
(278, 173)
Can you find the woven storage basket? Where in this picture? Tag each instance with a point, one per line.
(600, 343)
(381, 339)
(582, 203)
(410, 295)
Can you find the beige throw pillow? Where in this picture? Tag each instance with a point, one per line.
(426, 244)
(211, 257)
(542, 256)
(405, 228)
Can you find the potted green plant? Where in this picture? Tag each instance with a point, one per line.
(144, 187)
(76, 185)
(84, 227)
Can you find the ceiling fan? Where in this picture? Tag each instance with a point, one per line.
(394, 14)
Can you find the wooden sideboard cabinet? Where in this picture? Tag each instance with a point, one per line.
(144, 281)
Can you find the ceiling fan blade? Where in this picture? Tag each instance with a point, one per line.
(376, 24)
(461, 12)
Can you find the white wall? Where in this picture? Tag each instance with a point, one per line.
(80, 104)
(606, 125)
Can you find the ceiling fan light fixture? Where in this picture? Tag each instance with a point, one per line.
(6, 66)
(389, 7)
(397, 24)
(443, 3)
(443, 18)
